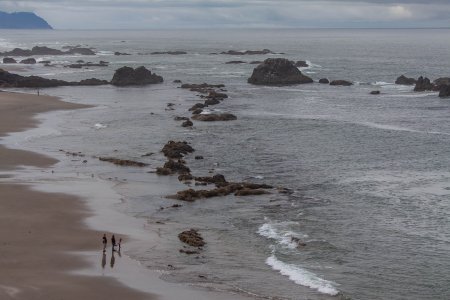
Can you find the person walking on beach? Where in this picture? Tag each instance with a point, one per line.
(105, 241)
(120, 242)
(113, 242)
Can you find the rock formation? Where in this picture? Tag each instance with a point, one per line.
(214, 117)
(403, 80)
(423, 84)
(127, 76)
(278, 71)
(341, 82)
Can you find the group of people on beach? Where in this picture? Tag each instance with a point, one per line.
(113, 243)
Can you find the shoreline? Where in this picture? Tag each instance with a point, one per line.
(39, 229)
(93, 212)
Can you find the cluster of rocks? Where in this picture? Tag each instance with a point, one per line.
(125, 76)
(278, 71)
(37, 50)
(422, 84)
(175, 151)
(212, 97)
(248, 52)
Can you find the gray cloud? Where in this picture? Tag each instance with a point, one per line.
(85, 14)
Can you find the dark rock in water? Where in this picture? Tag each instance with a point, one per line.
(177, 81)
(277, 71)
(38, 50)
(185, 177)
(14, 80)
(28, 61)
(217, 95)
(45, 62)
(375, 92)
(120, 53)
(403, 80)
(212, 102)
(176, 149)
(341, 82)
(187, 123)
(177, 167)
(445, 91)
(197, 106)
(214, 117)
(163, 171)
(93, 82)
(301, 64)
(197, 111)
(9, 60)
(255, 62)
(123, 162)
(169, 52)
(324, 81)
(88, 64)
(441, 82)
(192, 238)
(203, 88)
(235, 62)
(216, 179)
(126, 76)
(250, 192)
(423, 84)
(198, 157)
(248, 52)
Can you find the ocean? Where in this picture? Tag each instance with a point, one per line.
(369, 175)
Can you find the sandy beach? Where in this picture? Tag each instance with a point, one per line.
(38, 230)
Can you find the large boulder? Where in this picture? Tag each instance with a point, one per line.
(278, 71)
(423, 84)
(445, 91)
(403, 80)
(126, 76)
(9, 60)
(441, 82)
(28, 61)
(341, 82)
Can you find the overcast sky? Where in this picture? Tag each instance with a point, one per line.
(143, 14)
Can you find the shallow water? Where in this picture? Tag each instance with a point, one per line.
(370, 174)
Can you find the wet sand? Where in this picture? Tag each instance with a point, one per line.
(37, 229)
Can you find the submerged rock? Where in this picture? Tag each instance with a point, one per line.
(28, 61)
(248, 52)
(277, 71)
(341, 82)
(123, 162)
(127, 76)
(324, 81)
(375, 92)
(93, 82)
(403, 80)
(169, 52)
(214, 117)
(9, 60)
(235, 62)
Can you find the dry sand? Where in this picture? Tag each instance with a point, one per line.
(38, 230)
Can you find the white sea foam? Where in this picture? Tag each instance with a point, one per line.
(100, 126)
(281, 233)
(302, 277)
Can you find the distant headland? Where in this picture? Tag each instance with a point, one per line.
(22, 20)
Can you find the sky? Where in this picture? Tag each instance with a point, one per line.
(159, 14)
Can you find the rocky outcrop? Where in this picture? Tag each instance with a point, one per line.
(214, 117)
(172, 167)
(93, 82)
(341, 82)
(9, 60)
(123, 162)
(445, 91)
(301, 64)
(423, 84)
(403, 80)
(248, 52)
(127, 76)
(441, 82)
(192, 238)
(324, 81)
(28, 61)
(14, 80)
(176, 149)
(37, 50)
(277, 71)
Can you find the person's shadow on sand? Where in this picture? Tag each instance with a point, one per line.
(103, 260)
(113, 259)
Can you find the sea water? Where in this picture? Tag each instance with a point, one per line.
(369, 174)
